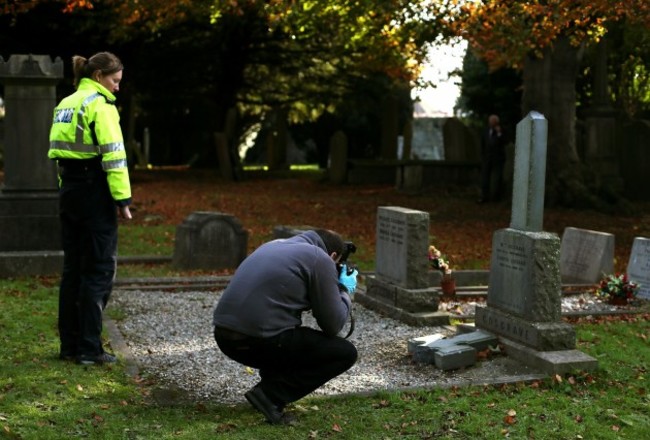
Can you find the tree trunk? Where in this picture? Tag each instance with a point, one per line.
(549, 88)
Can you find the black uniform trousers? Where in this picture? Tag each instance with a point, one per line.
(89, 233)
(492, 178)
(291, 364)
(493, 158)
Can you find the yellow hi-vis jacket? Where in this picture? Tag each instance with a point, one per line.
(86, 125)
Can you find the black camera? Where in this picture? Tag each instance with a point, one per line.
(349, 248)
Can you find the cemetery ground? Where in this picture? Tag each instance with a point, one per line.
(44, 398)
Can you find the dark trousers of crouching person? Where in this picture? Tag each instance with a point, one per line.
(291, 364)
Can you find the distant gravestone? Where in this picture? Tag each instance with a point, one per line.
(585, 255)
(400, 286)
(461, 143)
(209, 240)
(427, 141)
(524, 291)
(638, 268)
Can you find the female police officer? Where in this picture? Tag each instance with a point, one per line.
(86, 141)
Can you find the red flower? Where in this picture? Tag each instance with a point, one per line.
(617, 285)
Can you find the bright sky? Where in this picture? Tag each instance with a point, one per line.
(440, 101)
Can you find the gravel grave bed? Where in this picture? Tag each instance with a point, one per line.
(169, 336)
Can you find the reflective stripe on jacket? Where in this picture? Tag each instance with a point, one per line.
(86, 124)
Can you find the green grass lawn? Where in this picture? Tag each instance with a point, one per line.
(42, 397)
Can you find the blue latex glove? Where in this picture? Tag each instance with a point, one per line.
(348, 281)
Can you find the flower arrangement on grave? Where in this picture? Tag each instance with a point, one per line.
(617, 286)
(438, 262)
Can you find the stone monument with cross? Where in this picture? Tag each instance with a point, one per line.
(524, 293)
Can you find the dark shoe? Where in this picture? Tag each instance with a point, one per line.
(260, 402)
(67, 356)
(288, 419)
(104, 358)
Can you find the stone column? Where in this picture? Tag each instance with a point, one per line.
(29, 199)
(30, 97)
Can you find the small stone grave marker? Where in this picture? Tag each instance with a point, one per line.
(585, 255)
(638, 267)
(209, 240)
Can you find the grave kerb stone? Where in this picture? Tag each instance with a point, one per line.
(409, 300)
(551, 362)
(542, 336)
(454, 357)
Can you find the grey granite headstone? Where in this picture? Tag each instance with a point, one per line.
(401, 281)
(638, 267)
(209, 240)
(524, 275)
(524, 291)
(401, 247)
(585, 255)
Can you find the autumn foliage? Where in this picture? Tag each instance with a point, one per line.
(505, 32)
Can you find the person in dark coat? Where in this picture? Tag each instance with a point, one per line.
(258, 319)
(493, 157)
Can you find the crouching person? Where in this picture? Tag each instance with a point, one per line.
(258, 319)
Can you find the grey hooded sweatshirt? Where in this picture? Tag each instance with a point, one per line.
(277, 282)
